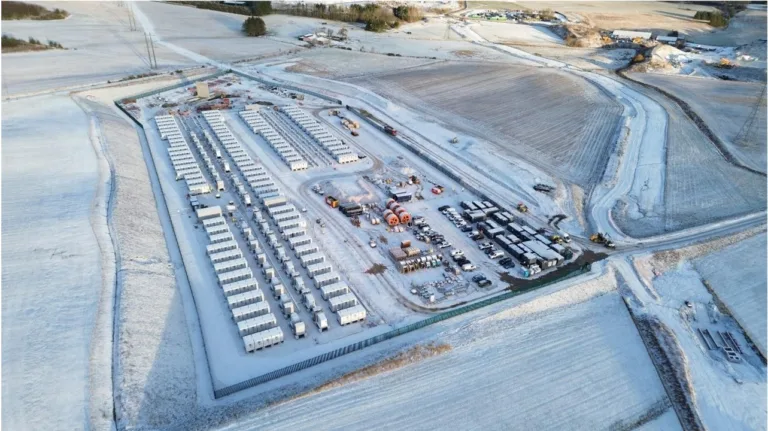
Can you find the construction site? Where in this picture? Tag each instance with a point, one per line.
(481, 201)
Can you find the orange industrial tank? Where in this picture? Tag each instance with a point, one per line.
(393, 205)
(390, 201)
(399, 210)
(405, 217)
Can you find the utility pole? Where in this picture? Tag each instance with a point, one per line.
(152, 44)
(131, 19)
(149, 53)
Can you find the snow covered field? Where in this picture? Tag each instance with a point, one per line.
(518, 34)
(553, 363)
(100, 47)
(56, 268)
(737, 275)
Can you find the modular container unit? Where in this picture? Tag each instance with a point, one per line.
(516, 251)
(256, 324)
(225, 256)
(221, 237)
(220, 247)
(309, 301)
(305, 249)
(269, 191)
(311, 259)
(230, 265)
(342, 301)
(319, 269)
(298, 284)
(549, 257)
(235, 276)
(214, 221)
(529, 259)
(245, 298)
(299, 241)
(294, 232)
(326, 279)
(240, 286)
(269, 272)
(278, 290)
(529, 230)
(504, 242)
(280, 219)
(254, 245)
(298, 165)
(216, 230)
(263, 339)
(334, 289)
(274, 201)
(250, 311)
(351, 315)
(210, 212)
(281, 209)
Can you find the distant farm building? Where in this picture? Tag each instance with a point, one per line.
(202, 90)
(631, 35)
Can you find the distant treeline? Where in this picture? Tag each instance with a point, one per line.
(250, 8)
(12, 44)
(20, 10)
(727, 10)
(375, 17)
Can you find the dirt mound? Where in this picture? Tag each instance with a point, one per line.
(662, 57)
(582, 36)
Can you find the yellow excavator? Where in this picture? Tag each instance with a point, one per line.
(602, 238)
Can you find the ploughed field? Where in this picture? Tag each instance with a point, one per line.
(561, 123)
(725, 106)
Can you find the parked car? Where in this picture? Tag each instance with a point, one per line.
(484, 283)
(466, 228)
(461, 260)
(457, 252)
(468, 267)
(443, 208)
(496, 254)
(444, 245)
(478, 277)
(485, 245)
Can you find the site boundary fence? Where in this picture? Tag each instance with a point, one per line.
(288, 86)
(311, 362)
(174, 86)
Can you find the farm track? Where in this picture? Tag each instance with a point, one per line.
(721, 147)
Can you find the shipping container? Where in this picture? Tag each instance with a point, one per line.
(311, 259)
(210, 212)
(245, 298)
(274, 201)
(299, 241)
(250, 311)
(225, 256)
(216, 230)
(220, 247)
(235, 276)
(334, 289)
(245, 283)
(214, 221)
(222, 237)
(288, 220)
(294, 232)
(319, 269)
(256, 324)
(230, 265)
(342, 301)
(263, 339)
(326, 279)
(351, 315)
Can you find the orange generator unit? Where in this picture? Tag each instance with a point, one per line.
(391, 218)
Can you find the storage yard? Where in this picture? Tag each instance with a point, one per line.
(260, 232)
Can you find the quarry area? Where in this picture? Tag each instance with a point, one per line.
(485, 214)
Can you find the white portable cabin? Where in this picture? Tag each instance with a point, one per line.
(245, 298)
(233, 277)
(250, 311)
(240, 286)
(275, 201)
(225, 256)
(217, 229)
(299, 241)
(294, 232)
(221, 247)
(266, 191)
(334, 289)
(319, 269)
(256, 324)
(221, 237)
(289, 221)
(351, 315)
(342, 301)
(298, 165)
(210, 212)
(347, 158)
(311, 259)
(281, 209)
(286, 216)
(263, 339)
(326, 279)
(230, 265)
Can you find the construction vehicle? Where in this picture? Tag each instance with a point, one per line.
(355, 133)
(415, 179)
(543, 188)
(389, 130)
(523, 208)
(455, 140)
(438, 189)
(331, 201)
(725, 64)
(638, 58)
(602, 238)
(333, 112)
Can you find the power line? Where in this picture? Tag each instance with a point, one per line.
(152, 44)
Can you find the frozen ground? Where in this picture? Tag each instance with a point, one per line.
(584, 58)
(725, 395)
(553, 363)
(746, 27)
(725, 106)
(517, 34)
(155, 373)
(100, 47)
(54, 234)
(737, 276)
(549, 118)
